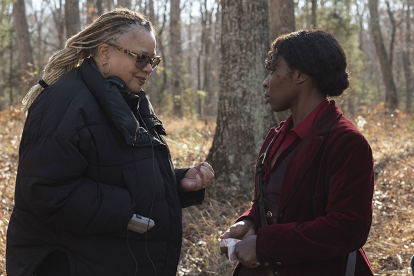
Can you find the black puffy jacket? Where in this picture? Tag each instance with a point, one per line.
(86, 164)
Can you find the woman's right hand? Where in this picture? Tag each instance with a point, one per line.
(239, 230)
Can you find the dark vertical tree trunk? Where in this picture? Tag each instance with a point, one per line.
(394, 28)
(203, 19)
(207, 43)
(72, 17)
(58, 18)
(391, 98)
(11, 73)
(160, 44)
(23, 42)
(282, 15)
(243, 119)
(313, 16)
(175, 55)
(99, 8)
(409, 78)
(153, 85)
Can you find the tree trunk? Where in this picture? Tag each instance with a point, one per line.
(282, 14)
(162, 51)
(11, 73)
(90, 11)
(313, 16)
(23, 42)
(109, 4)
(391, 99)
(394, 28)
(99, 8)
(124, 4)
(207, 52)
(409, 78)
(282, 17)
(72, 17)
(153, 85)
(59, 23)
(175, 46)
(243, 119)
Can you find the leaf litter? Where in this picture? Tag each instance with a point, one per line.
(391, 240)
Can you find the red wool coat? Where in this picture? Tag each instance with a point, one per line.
(325, 207)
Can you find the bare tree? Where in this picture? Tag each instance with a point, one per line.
(391, 98)
(243, 119)
(313, 15)
(160, 34)
(58, 19)
(409, 78)
(72, 17)
(124, 3)
(23, 41)
(99, 7)
(394, 29)
(153, 85)
(282, 15)
(175, 55)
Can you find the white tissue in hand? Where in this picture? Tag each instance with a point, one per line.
(230, 244)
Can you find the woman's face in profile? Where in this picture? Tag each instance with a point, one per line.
(122, 65)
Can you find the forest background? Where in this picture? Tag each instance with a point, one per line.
(208, 88)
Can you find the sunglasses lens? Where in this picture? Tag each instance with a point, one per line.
(142, 62)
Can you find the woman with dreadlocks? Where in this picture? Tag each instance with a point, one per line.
(92, 161)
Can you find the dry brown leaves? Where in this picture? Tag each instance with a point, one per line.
(11, 125)
(391, 241)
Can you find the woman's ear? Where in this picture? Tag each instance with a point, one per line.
(104, 52)
(300, 77)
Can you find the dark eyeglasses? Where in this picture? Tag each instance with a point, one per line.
(142, 60)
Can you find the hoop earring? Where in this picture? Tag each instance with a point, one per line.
(109, 66)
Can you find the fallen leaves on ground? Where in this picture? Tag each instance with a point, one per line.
(391, 241)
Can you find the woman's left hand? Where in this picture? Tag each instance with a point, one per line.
(245, 251)
(198, 177)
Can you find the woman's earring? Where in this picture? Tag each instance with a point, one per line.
(109, 66)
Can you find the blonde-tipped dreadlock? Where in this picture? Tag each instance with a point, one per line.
(82, 45)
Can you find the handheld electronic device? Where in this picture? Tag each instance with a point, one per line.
(140, 224)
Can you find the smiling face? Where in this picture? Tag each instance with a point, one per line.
(280, 89)
(137, 40)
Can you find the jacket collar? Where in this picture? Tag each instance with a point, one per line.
(116, 108)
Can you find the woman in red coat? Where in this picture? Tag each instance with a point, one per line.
(317, 182)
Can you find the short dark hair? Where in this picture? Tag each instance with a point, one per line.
(315, 53)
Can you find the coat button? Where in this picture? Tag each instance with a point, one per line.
(279, 263)
(266, 264)
(276, 272)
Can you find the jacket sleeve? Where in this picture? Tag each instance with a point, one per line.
(53, 186)
(188, 199)
(346, 222)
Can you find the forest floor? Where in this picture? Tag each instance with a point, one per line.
(391, 241)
